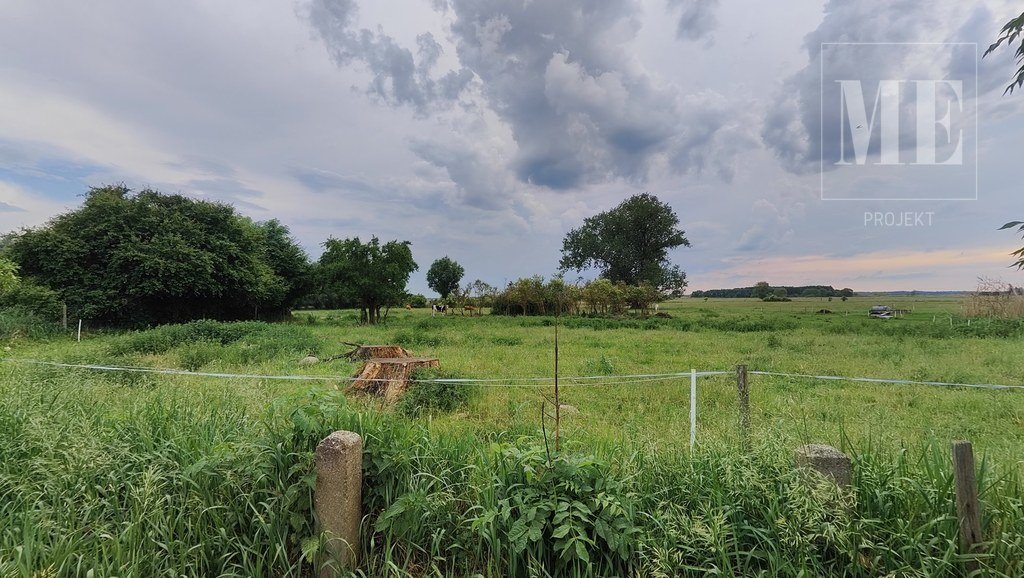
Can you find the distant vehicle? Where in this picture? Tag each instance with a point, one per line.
(881, 312)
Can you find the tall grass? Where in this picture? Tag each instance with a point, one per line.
(182, 477)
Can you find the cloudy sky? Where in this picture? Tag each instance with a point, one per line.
(486, 129)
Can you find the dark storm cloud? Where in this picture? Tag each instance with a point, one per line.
(580, 109)
(697, 19)
(399, 77)
(561, 78)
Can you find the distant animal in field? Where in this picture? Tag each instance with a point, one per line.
(409, 307)
(471, 310)
(442, 309)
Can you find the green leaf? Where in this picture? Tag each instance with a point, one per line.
(581, 552)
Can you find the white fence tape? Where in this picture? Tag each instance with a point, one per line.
(569, 381)
(892, 381)
(603, 380)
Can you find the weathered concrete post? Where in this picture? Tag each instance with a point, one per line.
(827, 461)
(337, 499)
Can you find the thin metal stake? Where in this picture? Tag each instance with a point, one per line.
(693, 408)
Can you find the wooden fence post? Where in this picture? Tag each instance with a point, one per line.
(337, 500)
(967, 509)
(744, 398)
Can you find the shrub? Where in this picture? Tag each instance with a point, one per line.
(27, 296)
(426, 396)
(567, 514)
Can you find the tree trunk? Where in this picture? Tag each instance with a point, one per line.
(389, 377)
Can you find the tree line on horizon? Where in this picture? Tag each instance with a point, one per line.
(133, 259)
(762, 290)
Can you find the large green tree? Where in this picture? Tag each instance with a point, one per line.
(629, 244)
(444, 276)
(370, 274)
(134, 259)
(287, 260)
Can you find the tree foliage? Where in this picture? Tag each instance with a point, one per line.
(762, 289)
(444, 276)
(135, 259)
(629, 244)
(369, 274)
(1009, 34)
(1019, 253)
(8, 275)
(532, 296)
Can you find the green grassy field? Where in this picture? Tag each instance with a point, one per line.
(708, 335)
(102, 469)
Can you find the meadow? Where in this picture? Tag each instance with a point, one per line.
(138, 474)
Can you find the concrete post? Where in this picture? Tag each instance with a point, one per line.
(337, 499)
(827, 461)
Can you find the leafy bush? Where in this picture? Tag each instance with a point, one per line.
(28, 296)
(427, 396)
(567, 514)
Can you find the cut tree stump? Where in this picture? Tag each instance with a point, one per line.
(389, 377)
(378, 352)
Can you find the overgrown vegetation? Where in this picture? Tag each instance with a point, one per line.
(198, 343)
(26, 309)
(94, 480)
(427, 395)
(98, 470)
(532, 296)
(145, 258)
